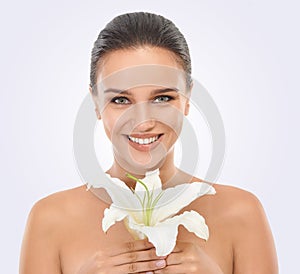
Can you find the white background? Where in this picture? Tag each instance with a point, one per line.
(246, 53)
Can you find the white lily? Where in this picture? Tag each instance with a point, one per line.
(149, 211)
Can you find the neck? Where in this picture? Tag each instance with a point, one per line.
(166, 171)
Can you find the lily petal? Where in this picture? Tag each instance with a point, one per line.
(176, 198)
(111, 216)
(163, 235)
(151, 180)
(120, 194)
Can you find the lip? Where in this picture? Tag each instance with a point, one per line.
(145, 147)
(144, 135)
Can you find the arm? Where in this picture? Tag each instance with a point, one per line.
(39, 253)
(253, 245)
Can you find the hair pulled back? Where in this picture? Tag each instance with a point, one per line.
(137, 29)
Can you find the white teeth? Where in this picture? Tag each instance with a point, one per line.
(145, 141)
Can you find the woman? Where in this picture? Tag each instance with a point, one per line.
(63, 233)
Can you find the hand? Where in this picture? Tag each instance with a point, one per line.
(132, 257)
(189, 258)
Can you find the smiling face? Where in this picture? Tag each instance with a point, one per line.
(141, 100)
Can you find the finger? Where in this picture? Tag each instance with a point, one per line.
(142, 267)
(170, 269)
(174, 258)
(180, 246)
(178, 249)
(137, 256)
(130, 247)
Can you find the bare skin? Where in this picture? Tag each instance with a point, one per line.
(64, 235)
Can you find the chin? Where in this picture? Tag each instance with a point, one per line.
(140, 164)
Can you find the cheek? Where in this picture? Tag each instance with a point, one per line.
(107, 130)
(109, 121)
(112, 121)
(172, 119)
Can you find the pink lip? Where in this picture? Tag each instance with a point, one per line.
(144, 135)
(145, 147)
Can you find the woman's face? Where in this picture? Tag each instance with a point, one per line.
(141, 101)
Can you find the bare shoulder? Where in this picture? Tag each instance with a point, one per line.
(237, 208)
(229, 203)
(43, 234)
(61, 209)
(236, 202)
(54, 207)
(242, 218)
(51, 214)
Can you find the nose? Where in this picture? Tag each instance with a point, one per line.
(145, 126)
(143, 119)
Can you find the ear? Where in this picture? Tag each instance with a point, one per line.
(187, 107)
(187, 103)
(98, 113)
(95, 102)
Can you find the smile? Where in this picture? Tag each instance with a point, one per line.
(144, 141)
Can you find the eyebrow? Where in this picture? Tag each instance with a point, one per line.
(153, 92)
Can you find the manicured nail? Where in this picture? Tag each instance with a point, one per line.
(161, 263)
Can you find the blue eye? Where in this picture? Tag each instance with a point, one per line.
(162, 99)
(120, 100)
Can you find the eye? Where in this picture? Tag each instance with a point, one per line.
(120, 100)
(162, 99)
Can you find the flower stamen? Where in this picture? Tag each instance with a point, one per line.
(148, 199)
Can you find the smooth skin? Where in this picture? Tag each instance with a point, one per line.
(64, 235)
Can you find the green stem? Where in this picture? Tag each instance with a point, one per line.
(141, 182)
(150, 204)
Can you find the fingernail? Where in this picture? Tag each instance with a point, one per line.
(161, 263)
(149, 272)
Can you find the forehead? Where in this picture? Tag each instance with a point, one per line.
(122, 59)
(125, 69)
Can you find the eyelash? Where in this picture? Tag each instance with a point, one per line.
(113, 100)
(169, 98)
